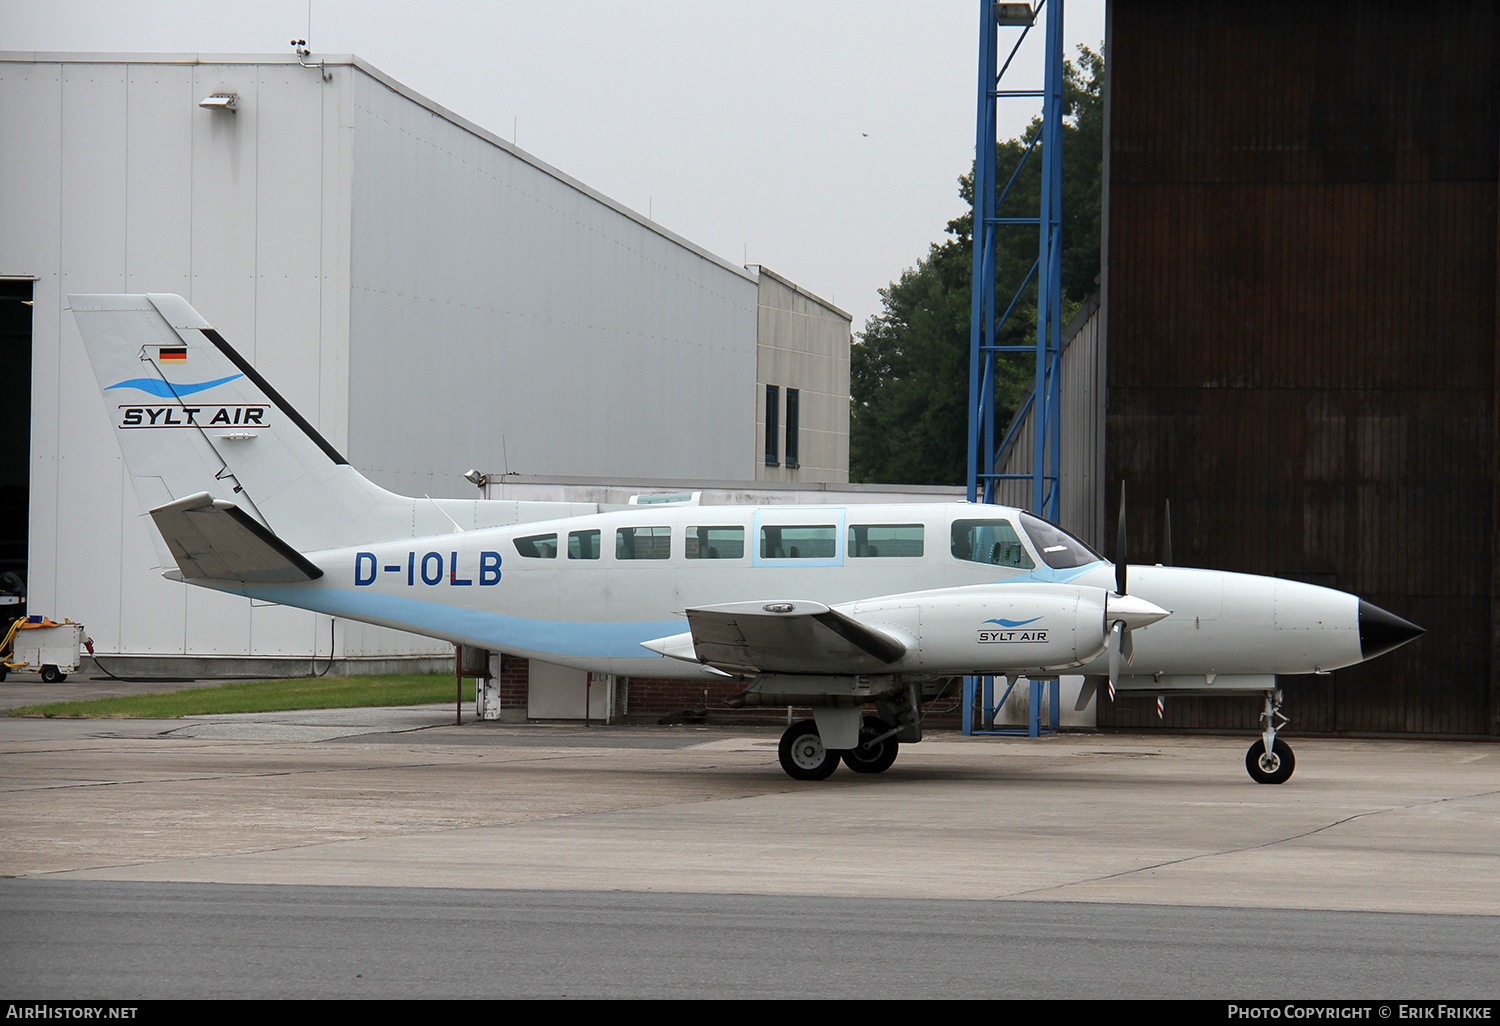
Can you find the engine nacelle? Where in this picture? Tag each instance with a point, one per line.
(998, 628)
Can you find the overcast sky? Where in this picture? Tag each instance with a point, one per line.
(821, 138)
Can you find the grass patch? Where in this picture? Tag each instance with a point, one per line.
(262, 696)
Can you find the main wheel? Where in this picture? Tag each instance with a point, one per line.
(1275, 768)
(802, 753)
(876, 759)
(52, 675)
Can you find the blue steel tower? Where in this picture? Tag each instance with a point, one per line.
(986, 320)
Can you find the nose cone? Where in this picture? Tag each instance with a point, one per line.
(1380, 632)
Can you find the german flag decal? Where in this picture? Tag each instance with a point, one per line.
(172, 355)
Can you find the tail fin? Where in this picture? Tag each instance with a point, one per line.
(192, 416)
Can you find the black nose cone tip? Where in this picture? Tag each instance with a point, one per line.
(1380, 632)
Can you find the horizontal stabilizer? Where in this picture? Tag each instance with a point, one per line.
(781, 637)
(215, 540)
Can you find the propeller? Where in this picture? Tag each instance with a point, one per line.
(1118, 639)
(1124, 612)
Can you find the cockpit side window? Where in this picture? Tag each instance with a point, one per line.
(990, 541)
(538, 546)
(1059, 549)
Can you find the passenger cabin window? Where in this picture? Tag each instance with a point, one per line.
(643, 542)
(990, 541)
(583, 545)
(799, 541)
(715, 543)
(1059, 549)
(538, 546)
(886, 541)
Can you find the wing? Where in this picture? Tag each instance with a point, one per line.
(781, 637)
(217, 541)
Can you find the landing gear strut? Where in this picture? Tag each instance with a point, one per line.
(1270, 759)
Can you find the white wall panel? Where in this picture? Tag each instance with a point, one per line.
(224, 198)
(92, 229)
(152, 618)
(31, 153)
(503, 316)
(288, 219)
(539, 328)
(159, 181)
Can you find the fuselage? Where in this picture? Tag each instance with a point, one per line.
(587, 591)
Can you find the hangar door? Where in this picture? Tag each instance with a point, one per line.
(15, 443)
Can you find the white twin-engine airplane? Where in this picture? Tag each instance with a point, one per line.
(833, 608)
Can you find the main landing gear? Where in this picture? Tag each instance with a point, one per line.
(804, 756)
(1270, 759)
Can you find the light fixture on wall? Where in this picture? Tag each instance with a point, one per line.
(477, 479)
(221, 101)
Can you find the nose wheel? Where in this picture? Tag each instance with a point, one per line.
(1273, 767)
(1270, 759)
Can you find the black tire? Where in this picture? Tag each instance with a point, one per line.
(1277, 769)
(872, 760)
(3, 671)
(52, 675)
(802, 753)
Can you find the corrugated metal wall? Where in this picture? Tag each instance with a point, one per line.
(117, 181)
(540, 328)
(495, 304)
(1302, 331)
(1082, 434)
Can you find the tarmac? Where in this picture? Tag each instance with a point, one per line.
(407, 798)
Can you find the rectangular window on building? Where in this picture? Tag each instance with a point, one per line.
(773, 424)
(792, 395)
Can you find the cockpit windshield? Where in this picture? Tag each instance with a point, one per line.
(1058, 549)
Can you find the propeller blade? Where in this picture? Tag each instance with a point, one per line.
(1116, 633)
(1166, 558)
(1120, 546)
(1086, 692)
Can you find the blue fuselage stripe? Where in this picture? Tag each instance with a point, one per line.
(559, 637)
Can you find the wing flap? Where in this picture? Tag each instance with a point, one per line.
(215, 540)
(797, 636)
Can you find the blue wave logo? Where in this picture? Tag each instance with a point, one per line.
(1014, 623)
(166, 390)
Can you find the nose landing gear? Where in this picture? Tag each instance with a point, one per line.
(1270, 759)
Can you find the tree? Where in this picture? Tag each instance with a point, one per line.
(909, 370)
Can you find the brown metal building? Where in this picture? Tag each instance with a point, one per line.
(1301, 317)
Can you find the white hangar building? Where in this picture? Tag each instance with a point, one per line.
(429, 296)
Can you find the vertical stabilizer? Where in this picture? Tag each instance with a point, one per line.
(192, 416)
